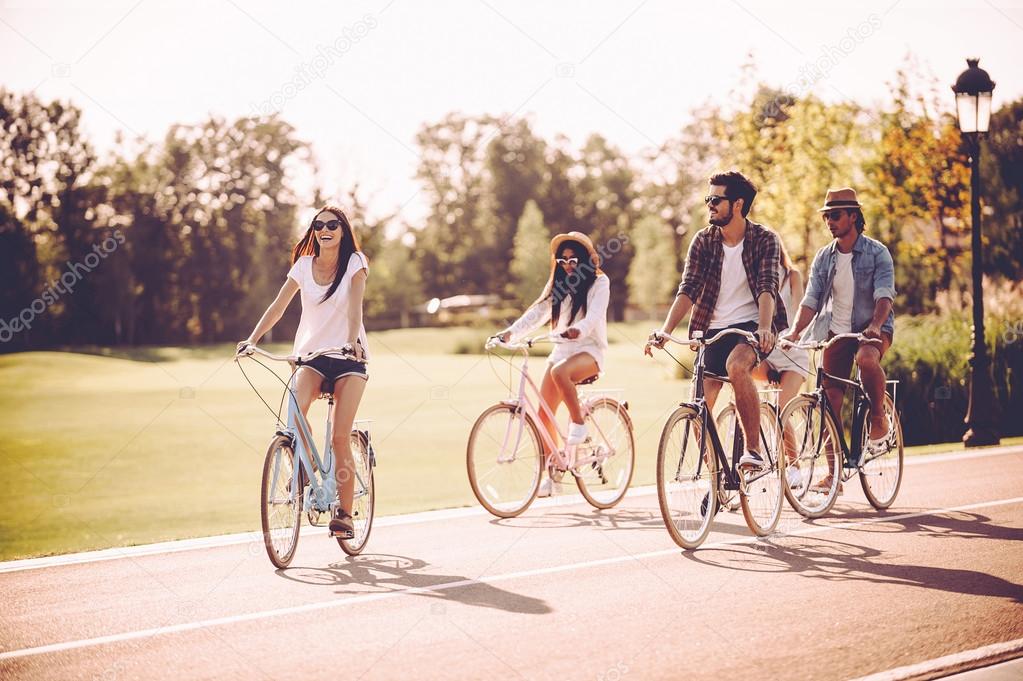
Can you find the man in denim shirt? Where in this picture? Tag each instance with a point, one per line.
(851, 289)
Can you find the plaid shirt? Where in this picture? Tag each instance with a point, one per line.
(701, 281)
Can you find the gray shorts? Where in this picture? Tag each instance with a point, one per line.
(789, 359)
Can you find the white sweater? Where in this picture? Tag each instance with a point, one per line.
(592, 326)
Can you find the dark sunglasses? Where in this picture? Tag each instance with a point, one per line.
(567, 261)
(832, 214)
(713, 200)
(330, 224)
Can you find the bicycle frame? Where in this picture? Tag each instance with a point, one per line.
(322, 483)
(524, 405)
(729, 471)
(852, 450)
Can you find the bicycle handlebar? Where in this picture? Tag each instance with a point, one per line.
(495, 342)
(699, 339)
(296, 359)
(823, 345)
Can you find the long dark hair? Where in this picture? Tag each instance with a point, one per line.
(308, 245)
(575, 287)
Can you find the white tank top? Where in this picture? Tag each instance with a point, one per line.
(325, 324)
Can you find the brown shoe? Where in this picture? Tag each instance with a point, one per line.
(824, 486)
(341, 525)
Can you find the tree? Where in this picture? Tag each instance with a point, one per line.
(43, 206)
(604, 195)
(920, 183)
(530, 268)
(653, 274)
(1002, 173)
(395, 287)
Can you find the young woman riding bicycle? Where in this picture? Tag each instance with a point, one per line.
(330, 272)
(574, 303)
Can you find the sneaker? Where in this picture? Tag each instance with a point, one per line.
(794, 476)
(576, 434)
(751, 460)
(341, 525)
(548, 488)
(879, 446)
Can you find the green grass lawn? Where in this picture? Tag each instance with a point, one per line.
(119, 447)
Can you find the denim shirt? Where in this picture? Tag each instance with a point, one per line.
(873, 278)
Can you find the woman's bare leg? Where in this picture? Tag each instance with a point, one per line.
(307, 389)
(347, 395)
(791, 383)
(566, 374)
(550, 394)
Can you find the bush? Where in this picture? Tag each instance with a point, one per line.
(929, 357)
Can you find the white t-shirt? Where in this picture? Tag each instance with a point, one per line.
(785, 292)
(735, 303)
(325, 324)
(842, 295)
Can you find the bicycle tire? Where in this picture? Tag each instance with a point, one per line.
(522, 482)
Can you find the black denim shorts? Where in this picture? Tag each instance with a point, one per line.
(716, 355)
(333, 368)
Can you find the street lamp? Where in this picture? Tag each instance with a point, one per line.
(973, 91)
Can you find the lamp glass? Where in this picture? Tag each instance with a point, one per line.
(966, 110)
(983, 111)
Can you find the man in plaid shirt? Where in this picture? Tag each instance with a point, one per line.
(731, 282)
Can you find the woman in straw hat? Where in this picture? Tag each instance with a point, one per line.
(574, 303)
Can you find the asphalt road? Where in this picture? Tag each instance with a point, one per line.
(563, 592)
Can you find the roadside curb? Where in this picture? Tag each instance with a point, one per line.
(956, 663)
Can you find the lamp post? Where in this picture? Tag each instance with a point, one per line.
(973, 91)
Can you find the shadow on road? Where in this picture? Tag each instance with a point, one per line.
(611, 519)
(819, 558)
(384, 573)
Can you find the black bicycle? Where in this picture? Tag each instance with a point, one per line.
(694, 475)
(815, 444)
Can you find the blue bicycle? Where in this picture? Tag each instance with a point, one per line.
(297, 479)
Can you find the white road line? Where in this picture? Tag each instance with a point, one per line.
(952, 664)
(388, 521)
(354, 600)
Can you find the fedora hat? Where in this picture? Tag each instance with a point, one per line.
(580, 238)
(840, 198)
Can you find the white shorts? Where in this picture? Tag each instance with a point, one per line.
(563, 351)
(789, 359)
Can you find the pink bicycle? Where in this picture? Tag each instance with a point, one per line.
(509, 448)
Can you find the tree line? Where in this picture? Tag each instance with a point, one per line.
(185, 240)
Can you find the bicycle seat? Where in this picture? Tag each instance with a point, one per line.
(588, 381)
(327, 388)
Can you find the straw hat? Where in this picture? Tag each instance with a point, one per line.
(557, 241)
(840, 198)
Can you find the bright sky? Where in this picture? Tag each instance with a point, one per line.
(358, 79)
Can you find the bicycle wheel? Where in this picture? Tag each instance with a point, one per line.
(761, 498)
(608, 457)
(685, 487)
(504, 459)
(364, 502)
(727, 498)
(280, 510)
(881, 475)
(812, 449)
